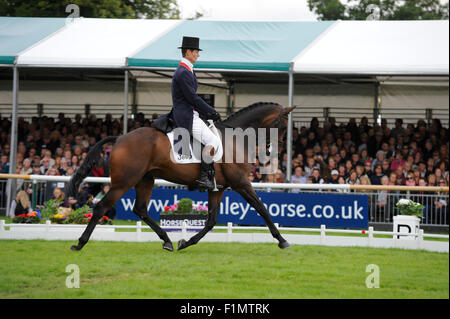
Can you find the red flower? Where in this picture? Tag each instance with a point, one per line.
(105, 217)
(166, 208)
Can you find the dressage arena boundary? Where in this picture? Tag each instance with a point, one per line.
(50, 231)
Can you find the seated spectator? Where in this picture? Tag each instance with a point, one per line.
(111, 213)
(378, 159)
(398, 161)
(45, 166)
(410, 179)
(59, 194)
(4, 164)
(310, 165)
(22, 204)
(279, 176)
(368, 168)
(341, 181)
(377, 176)
(82, 197)
(386, 167)
(316, 179)
(432, 180)
(298, 178)
(353, 178)
(334, 177)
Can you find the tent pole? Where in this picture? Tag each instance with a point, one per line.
(289, 128)
(11, 185)
(125, 104)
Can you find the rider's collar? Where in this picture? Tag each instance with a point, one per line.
(188, 63)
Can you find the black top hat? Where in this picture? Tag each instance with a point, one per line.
(190, 43)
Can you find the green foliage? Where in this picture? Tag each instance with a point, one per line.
(79, 216)
(50, 208)
(150, 9)
(379, 9)
(410, 208)
(184, 206)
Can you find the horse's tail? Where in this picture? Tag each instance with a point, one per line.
(92, 159)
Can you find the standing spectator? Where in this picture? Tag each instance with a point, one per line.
(382, 201)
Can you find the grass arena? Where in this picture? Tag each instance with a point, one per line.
(44, 269)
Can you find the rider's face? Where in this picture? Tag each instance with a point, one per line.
(192, 55)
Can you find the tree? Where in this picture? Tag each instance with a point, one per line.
(379, 9)
(149, 9)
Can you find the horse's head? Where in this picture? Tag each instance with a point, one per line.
(261, 115)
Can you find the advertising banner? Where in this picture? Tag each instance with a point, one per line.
(334, 210)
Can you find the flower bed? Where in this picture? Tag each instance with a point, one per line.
(60, 215)
(30, 218)
(183, 211)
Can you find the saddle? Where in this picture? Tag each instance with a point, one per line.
(164, 123)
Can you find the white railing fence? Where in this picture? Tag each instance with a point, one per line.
(231, 233)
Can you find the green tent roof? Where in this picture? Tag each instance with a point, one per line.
(17, 34)
(267, 46)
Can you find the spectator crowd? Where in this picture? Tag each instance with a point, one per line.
(349, 153)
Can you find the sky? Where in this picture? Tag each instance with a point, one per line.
(248, 10)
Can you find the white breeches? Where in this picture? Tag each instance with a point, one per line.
(202, 133)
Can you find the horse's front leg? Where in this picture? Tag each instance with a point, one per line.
(214, 199)
(249, 194)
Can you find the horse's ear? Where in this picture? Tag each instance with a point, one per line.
(289, 109)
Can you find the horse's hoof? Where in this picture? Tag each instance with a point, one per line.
(182, 244)
(74, 248)
(168, 246)
(284, 245)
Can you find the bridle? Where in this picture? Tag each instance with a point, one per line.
(275, 124)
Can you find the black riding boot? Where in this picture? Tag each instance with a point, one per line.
(205, 182)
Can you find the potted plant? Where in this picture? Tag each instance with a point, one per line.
(408, 219)
(184, 210)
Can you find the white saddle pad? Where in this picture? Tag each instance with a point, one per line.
(194, 155)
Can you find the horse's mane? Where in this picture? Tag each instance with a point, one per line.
(243, 112)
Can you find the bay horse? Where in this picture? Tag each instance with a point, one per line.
(142, 155)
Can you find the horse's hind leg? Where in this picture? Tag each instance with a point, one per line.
(143, 193)
(214, 199)
(99, 211)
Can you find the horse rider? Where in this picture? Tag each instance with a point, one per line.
(188, 107)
